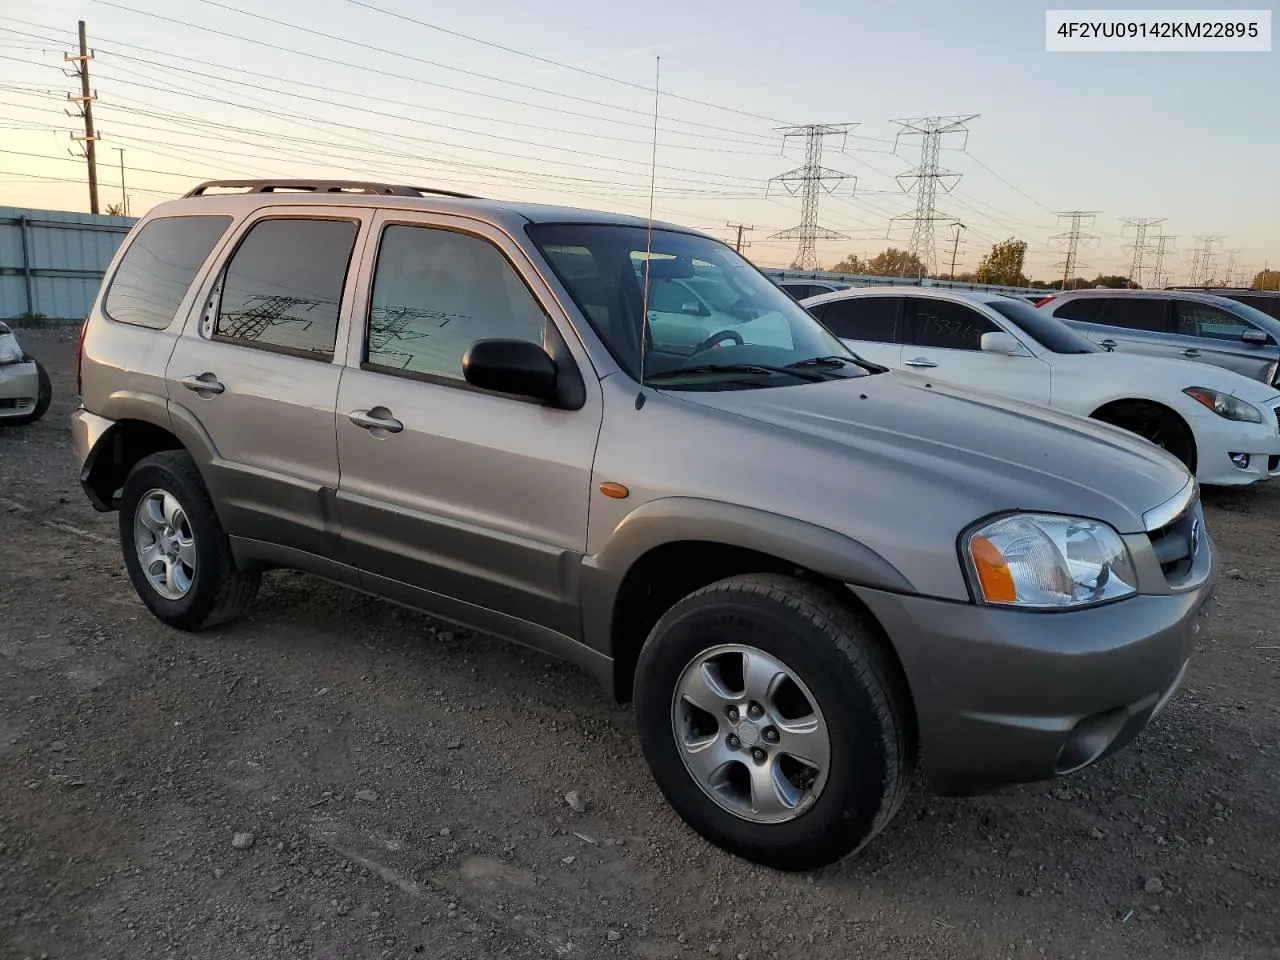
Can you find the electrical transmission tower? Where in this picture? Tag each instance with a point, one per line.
(1231, 266)
(1140, 247)
(741, 228)
(928, 177)
(1159, 246)
(84, 101)
(1201, 260)
(1074, 238)
(809, 180)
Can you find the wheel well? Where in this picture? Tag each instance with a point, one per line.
(1108, 410)
(666, 574)
(128, 442)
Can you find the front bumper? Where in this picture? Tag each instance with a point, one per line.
(19, 389)
(1216, 447)
(1006, 696)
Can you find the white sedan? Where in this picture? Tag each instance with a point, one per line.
(1222, 425)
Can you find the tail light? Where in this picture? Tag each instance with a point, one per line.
(84, 327)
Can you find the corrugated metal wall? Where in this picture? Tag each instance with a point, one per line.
(52, 261)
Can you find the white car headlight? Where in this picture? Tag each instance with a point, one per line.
(1047, 561)
(9, 351)
(1225, 405)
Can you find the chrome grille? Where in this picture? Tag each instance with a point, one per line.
(1177, 543)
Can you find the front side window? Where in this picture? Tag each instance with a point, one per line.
(282, 288)
(948, 325)
(158, 268)
(863, 318)
(1203, 320)
(435, 293)
(714, 321)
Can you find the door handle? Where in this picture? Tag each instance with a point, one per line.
(201, 385)
(1190, 352)
(379, 418)
(921, 362)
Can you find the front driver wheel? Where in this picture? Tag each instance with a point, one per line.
(773, 721)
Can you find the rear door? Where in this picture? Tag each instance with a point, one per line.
(258, 374)
(1212, 334)
(944, 340)
(1127, 324)
(869, 325)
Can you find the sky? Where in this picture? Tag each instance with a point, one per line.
(200, 89)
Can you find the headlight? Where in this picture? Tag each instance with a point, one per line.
(10, 352)
(1225, 405)
(1045, 561)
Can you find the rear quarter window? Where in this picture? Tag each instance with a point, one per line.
(158, 267)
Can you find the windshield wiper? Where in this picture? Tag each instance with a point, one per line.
(828, 361)
(737, 368)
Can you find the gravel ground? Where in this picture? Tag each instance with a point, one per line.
(335, 777)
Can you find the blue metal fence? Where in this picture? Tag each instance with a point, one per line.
(52, 261)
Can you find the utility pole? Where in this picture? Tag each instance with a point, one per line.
(1140, 247)
(928, 177)
(955, 249)
(808, 180)
(1158, 245)
(741, 228)
(1074, 238)
(124, 197)
(85, 100)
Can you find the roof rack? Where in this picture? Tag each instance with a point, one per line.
(324, 186)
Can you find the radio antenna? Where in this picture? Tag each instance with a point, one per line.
(648, 239)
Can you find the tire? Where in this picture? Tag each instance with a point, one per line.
(44, 396)
(1155, 424)
(827, 650)
(216, 591)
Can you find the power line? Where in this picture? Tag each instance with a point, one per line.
(1074, 238)
(1140, 247)
(928, 176)
(809, 180)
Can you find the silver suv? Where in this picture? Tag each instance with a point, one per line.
(806, 571)
(1176, 324)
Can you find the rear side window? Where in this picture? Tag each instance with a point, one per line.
(1085, 309)
(801, 291)
(942, 323)
(1135, 313)
(283, 286)
(863, 318)
(157, 269)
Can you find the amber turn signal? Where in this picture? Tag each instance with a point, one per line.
(615, 490)
(993, 573)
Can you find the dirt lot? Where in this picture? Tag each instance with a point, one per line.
(404, 784)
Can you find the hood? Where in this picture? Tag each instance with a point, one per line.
(1138, 367)
(984, 453)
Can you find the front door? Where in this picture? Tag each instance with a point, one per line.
(456, 499)
(944, 340)
(1210, 334)
(258, 374)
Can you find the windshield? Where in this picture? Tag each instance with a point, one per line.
(715, 322)
(1053, 334)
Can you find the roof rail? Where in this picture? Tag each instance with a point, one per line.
(324, 186)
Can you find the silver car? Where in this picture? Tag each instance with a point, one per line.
(809, 574)
(25, 388)
(1176, 324)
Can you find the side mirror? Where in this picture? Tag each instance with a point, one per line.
(1254, 336)
(510, 366)
(1002, 343)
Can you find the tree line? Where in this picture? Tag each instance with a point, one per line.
(1003, 266)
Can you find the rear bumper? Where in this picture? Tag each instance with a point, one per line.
(1006, 696)
(19, 389)
(87, 431)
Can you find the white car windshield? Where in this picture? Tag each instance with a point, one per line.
(714, 322)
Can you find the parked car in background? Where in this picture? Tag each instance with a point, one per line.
(1268, 301)
(1221, 425)
(801, 289)
(805, 570)
(25, 388)
(1176, 324)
